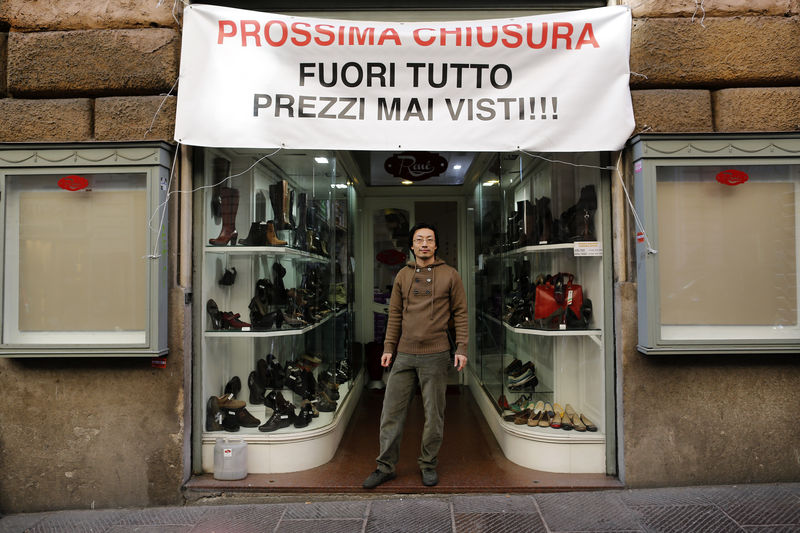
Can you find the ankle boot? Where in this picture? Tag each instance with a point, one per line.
(229, 207)
(271, 237)
(257, 235)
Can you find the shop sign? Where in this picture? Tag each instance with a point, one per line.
(556, 82)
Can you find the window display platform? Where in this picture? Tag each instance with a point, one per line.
(545, 449)
(470, 460)
(290, 449)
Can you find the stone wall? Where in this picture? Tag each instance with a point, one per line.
(80, 432)
(60, 61)
(707, 419)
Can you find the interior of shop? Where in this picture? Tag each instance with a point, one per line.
(297, 253)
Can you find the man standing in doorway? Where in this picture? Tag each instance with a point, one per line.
(426, 293)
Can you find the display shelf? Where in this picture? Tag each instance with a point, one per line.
(268, 333)
(265, 250)
(290, 449)
(594, 334)
(263, 413)
(536, 248)
(545, 449)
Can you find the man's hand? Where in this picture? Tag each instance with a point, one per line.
(386, 359)
(460, 362)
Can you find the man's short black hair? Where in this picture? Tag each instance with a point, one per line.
(421, 225)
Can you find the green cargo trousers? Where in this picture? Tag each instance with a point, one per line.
(431, 369)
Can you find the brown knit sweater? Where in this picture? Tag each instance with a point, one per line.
(423, 298)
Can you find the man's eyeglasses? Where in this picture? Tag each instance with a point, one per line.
(420, 240)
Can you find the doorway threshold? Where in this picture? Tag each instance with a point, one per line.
(470, 460)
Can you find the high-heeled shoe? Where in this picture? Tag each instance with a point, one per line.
(232, 320)
(213, 312)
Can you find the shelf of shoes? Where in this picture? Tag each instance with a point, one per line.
(536, 248)
(247, 332)
(595, 334)
(265, 250)
(263, 413)
(290, 449)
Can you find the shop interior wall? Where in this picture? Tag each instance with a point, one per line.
(99, 432)
(687, 420)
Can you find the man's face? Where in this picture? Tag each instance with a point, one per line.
(424, 243)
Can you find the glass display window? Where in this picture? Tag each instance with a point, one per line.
(718, 270)
(84, 251)
(541, 281)
(276, 301)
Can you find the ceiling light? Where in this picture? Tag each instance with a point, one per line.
(490, 183)
(407, 182)
(321, 160)
(456, 167)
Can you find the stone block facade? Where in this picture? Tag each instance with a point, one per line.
(757, 109)
(38, 15)
(713, 8)
(724, 52)
(672, 110)
(134, 118)
(51, 120)
(92, 62)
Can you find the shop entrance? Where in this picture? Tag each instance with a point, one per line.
(322, 226)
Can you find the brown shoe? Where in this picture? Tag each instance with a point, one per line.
(227, 402)
(246, 420)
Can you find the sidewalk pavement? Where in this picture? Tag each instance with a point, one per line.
(753, 508)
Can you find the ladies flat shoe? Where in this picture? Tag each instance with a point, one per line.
(535, 418)
(549, 408)
(521, 418)
(588, 423)
(521, 403)
(555, 423)
(545, 420)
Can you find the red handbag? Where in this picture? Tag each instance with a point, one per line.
(556, 295)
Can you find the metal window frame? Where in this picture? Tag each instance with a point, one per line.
(152, 158)
(650, 151)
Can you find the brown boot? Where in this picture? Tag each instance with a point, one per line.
(229, 206)
(272, 237)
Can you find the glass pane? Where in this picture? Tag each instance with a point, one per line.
(78, 256)
(727, 250)
(390, 250)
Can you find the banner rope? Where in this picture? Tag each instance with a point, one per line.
(639, 225)
(163, 205)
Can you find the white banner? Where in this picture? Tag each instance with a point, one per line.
(555, 82)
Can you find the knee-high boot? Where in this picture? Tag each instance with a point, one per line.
(229, 205)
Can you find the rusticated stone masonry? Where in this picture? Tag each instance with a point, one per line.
(92, 62)
(723, 52)
(41, 15)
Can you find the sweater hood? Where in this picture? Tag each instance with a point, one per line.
(437, 262)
